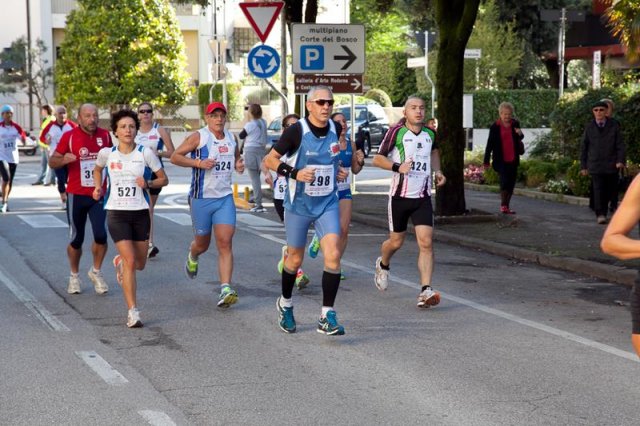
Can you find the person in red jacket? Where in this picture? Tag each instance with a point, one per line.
(78, 150)
(505, 143)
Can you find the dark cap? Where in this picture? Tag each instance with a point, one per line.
(600, 104)
(214, 106)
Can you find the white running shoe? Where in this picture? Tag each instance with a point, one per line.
(74, 285)
(257, 209)
(99, 283)
(428, 298)
(382, 276)
(133, 318)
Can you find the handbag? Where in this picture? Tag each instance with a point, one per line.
(624, 180)
(520, 147)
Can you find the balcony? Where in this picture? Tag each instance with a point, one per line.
(65, 6)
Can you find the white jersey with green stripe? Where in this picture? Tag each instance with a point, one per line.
(400, 145)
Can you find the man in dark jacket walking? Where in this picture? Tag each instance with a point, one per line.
(602, 154)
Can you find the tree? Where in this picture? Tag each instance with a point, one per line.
(16, 74)
(455, 19)
(502, 51)
(624, 21)
(385, 30)
(122, 53)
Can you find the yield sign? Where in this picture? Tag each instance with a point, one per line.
(262, 16)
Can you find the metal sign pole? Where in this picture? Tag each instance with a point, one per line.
(563, 20)
(426, 72)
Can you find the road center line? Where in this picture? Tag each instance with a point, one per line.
(30, 302)
(102, 368)
(482, 308)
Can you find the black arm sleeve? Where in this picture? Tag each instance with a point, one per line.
(290, 140)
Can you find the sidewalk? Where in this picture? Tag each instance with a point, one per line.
(562, 235)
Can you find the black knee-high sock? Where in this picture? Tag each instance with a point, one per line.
(330, 284)
(288, 281)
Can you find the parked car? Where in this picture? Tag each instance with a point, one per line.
(274, 131)
(29, 147)
(371, 124)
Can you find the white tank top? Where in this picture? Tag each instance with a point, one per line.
(150, 139)
(214, 183)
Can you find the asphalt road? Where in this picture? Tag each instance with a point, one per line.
(510, 343)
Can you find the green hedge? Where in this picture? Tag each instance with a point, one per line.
(532, 107)
(234, 104)
(573, 112)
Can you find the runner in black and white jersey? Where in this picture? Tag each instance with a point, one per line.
(127, 202)
(411, 152)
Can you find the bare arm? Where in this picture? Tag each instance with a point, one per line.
(616, 241)
(436, 167)
(97, 182)
(168, 143)
(57, 160)
(386, 164)
(190, 144)
(357, 159)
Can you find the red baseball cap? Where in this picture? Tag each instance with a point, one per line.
(214, 106)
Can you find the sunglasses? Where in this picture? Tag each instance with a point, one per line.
(599, 109)
(323, 102)
(145, 111)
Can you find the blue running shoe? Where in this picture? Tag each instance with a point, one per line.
(343, 276)
(314, 247)
(329, 325)
(228, 297)
(286, 321)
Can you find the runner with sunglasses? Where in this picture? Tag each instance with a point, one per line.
(312, 170)
(353, 158)
(158, 140)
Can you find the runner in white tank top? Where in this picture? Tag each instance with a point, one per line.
(212, 153)
(158, 139)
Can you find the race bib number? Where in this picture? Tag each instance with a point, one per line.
(86, 173)
(9, 144)
(343, 185)
(279, 188)
(420, 168)
(323, 182)
(126, 192)
(223, 167)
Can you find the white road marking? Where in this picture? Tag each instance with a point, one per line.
(30, 302)
(253, 220)
(102, 368)
(179, 218)
(43, 221)
(482, 308)
(156, 418)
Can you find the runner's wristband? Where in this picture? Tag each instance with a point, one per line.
(284, 169)
(395, 167)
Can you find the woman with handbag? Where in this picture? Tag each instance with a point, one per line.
(505, 146)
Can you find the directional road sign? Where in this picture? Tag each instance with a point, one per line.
(262, 16)
(263, 61)
(327, 49)
(348, 83)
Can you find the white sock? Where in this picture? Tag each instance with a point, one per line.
(326, 309)
(223, 285)
(95, 270)
(75, 274)
(286, 303)
(192, 258)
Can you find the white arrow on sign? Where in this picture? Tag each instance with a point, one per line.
(355, 84)
(256, 65)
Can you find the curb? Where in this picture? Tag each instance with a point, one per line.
(614, 274)
(547, 196)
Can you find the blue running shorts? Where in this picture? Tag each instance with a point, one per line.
(297, 226)
(206, 212)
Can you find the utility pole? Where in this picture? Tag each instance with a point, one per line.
(426, 73)
(29, 66)
(561, 36)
